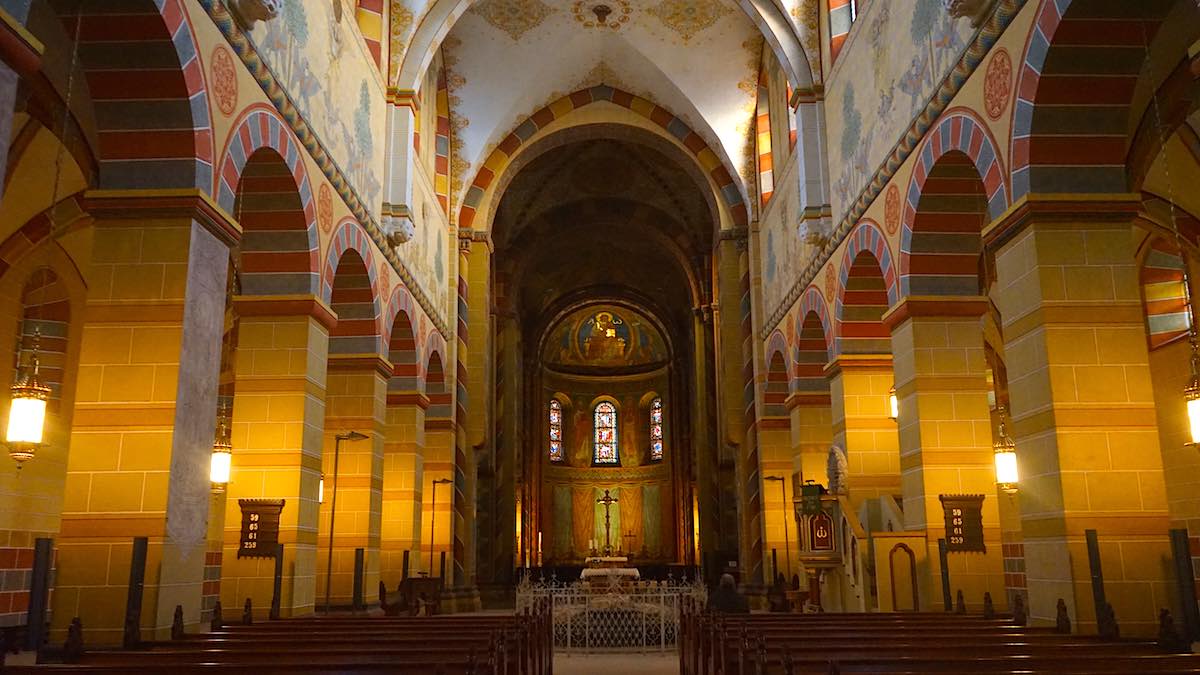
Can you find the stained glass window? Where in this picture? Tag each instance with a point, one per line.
(556, 439)
(604, 450)
(656, 435)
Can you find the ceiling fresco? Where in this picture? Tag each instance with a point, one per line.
(697, 58)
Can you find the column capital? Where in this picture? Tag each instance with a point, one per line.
(134, 205)
(801, 399)
(361, 363)
(286, 305)
(852, 361)
(405, 98)
(936, 306)
(416, 398)
(1062, 208)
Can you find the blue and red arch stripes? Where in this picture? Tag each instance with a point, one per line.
(1164, 294)
(261, 127)
(156, 44)
(806, 369)
(963, 131)
(349, 235)
(776, 385)
(866, 236)
(408, 366)
(705, 156)
(1087, 156)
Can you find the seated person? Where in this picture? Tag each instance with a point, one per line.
(726, 598)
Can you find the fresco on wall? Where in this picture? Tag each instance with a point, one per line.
(427, 254)
(334, 84)
(788, 242)
(897, 56)
(605, 336)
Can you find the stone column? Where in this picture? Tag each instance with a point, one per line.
(859, 386)
(145, 410)
(355, 400)
(1083, 406)
(946, 436)
(278, 420)
(403, 484)
(812, 434)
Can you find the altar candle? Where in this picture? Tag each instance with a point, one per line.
(539, 543)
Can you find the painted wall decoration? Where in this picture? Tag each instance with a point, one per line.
(788, 243)
(877, 88)
(605, 336)
(332, 80)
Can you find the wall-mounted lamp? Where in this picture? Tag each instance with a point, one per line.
(893, 405)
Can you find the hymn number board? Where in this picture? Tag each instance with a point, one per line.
(260, 527)
(964, 523)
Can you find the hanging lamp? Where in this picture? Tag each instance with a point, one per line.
(222, 457)
(1005, 450)
(27, 411)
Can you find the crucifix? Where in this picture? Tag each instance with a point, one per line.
(607, 500)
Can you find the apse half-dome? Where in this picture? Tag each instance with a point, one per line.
(605, 336)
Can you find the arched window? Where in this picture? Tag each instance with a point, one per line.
(656, 434)
(604, 450)
(556, 439)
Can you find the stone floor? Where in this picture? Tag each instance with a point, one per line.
(624, 664)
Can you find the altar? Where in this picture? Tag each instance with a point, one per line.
(613, 568)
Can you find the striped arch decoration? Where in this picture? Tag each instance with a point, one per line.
(776, 382)
(434, 343)
(441, 148)
(762, 141)
(811, 352)
(261, 127)
(38, 228)
(403, 350)
(1164, 295)
(369, 15)
(1083, 156)
(868, 238)
(841, 16)
(709, 160)
(964, 132)
(158, 65)
(350, 235)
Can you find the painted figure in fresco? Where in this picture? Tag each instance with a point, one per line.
(602, 343)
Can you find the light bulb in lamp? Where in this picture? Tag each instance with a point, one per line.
(27, 412)
(222, 464)
(1006, 459)
(1191, 395)
(321, 490)
(893, 405)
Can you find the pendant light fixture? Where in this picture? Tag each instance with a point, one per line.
(1005, 456)
(27, 412)
(222, 455)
